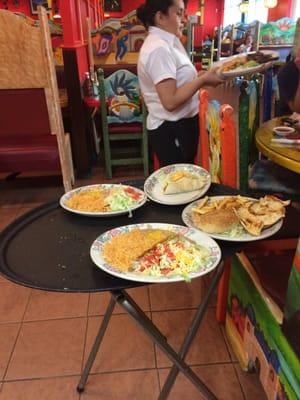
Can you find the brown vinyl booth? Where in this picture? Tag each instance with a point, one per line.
(32, 136)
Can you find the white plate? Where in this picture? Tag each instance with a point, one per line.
(246, 237)
(245, 71)
(193, 234)
(153, 186)
(68, 195)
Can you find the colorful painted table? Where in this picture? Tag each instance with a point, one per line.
(287, 157)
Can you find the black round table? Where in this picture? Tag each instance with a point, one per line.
(49, 249)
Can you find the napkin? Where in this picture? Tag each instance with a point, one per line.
(285, 141)
(292, 140)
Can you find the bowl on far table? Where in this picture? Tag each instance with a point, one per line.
(283, 130)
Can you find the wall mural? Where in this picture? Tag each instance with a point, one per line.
(35, 3)
(119, 36)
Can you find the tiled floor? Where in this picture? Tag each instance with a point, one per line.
(45, 337)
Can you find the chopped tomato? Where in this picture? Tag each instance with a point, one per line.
(132, 193)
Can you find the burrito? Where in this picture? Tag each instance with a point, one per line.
(181, 182)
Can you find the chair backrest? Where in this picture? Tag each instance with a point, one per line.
(120, 97)
(249, 119)
(291, 323)
(217, 144)
(28, 78)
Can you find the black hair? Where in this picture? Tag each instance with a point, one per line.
(288, 81)
(147, 11)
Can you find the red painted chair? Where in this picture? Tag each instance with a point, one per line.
(217, 147)
(218, 154)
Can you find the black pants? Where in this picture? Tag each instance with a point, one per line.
(175, 141)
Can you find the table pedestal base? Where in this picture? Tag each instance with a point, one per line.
(124, 300)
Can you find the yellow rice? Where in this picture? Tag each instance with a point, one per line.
(89, 200)
(122, 250)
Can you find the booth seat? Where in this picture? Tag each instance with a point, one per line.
(26, 142)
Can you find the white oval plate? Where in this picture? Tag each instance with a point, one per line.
(245, 71)
(68, 195)
(192, 234)
(246, 237)
(153, 186)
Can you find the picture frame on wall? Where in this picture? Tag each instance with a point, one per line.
(35, 3)
(112, 5)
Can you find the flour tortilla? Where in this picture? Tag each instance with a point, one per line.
(185, 184)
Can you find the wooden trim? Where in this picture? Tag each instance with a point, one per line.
(81, 147)
(53, 103)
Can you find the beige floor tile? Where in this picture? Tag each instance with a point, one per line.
(220, 379)
(41, 389)
(125, 346)
(24, 210)
(13, 301)
(48, 349)
(177, 295)
(251, 385)
(31, 192)
(3, 279)
(206, 282)
(8, 335)
(7, 216)
(10, 197)
(51, 305)
(208, 345)
(99, 301)
(136, 385)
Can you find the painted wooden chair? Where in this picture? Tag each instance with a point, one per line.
(262, 320)
(218, 153)
(217, 141)
(32, 136)
(123, 119)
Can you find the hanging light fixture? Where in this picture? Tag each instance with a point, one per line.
(270, 3)
(244, 6)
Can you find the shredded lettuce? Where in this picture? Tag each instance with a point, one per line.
(120, 201)
(235, 232)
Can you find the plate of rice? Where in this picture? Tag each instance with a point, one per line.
(103, 200)
(157, 253)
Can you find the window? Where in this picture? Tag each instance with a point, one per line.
(232, 13)
(296, 10)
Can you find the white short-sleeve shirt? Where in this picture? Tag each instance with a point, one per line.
(162, 56)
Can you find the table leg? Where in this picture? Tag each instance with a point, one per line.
(95, 348)
(151, 330)
(192, 332)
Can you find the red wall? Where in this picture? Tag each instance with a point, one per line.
(24, 7)
(283, 9)
(212, 14)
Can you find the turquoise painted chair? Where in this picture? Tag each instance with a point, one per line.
(123, 120)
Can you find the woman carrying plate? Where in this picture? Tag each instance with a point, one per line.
(169, 83)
